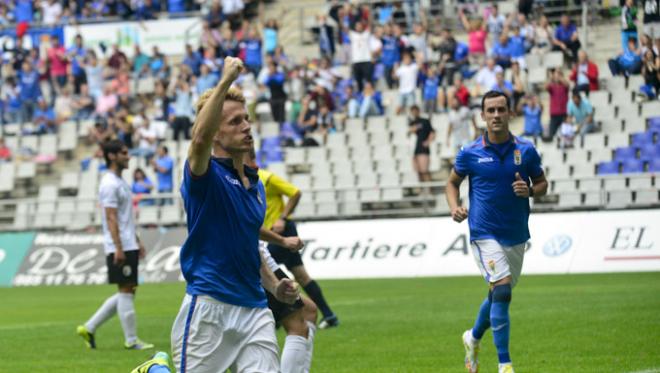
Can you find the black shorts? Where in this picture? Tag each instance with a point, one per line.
(280, 309)
(127, 273)
(283, 255)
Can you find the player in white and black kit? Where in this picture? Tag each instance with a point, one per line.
(122, 248)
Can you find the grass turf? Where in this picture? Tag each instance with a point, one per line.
(577, 323)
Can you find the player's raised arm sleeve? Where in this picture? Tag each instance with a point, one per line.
(534, 167)
(461, 163)
(282, 186)
(195, 184)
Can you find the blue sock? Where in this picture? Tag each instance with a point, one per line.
(499, 318)
(159, 369)
(483, 318)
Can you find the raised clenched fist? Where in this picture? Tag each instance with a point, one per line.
(232, 68)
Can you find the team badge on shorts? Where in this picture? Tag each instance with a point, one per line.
(517, 157)
(126, 270)
(491, 264)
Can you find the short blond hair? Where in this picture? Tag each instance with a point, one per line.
(233, 94)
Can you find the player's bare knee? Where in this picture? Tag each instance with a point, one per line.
(295, 324)
(310, 310)
(127, 288)
(301, 275)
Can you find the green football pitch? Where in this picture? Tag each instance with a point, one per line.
(576, 323)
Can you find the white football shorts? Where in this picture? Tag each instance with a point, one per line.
(496, 261)
(209, 336)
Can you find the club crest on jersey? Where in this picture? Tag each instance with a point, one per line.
(517, 157)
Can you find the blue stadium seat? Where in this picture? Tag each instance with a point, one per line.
(649, 152)
(654, 165)
(640, 139)
(622, 154)
(632, 166)
(270, 143)
(654, 122)
(607, 168)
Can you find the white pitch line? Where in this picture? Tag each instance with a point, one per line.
(652, 370)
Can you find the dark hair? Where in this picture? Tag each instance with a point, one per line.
(111, 147)
(140, 171)
(165, 149)
(493, 94)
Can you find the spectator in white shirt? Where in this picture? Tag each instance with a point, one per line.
(406, 74)
(363, 68)
(146, 135)
(486, 77)
(51, 11)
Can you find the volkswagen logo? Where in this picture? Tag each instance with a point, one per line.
(557, 245)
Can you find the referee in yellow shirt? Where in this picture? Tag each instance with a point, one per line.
(277, 219)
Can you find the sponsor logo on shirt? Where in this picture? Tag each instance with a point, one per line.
(517, 157)
(232, 180)
(485, 160)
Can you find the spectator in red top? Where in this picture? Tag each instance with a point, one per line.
(5, 152)
(458, 90)
(585, 74)
(116, 58)
(557, 86)
(57, 61)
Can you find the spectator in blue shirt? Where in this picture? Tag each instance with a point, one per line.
(629, 62)
(142, 186)
(76, 55)
(502, 51)
(175, 6)
(206, 80)
(23, 11)
(44, 118)
(192, 59)
(566, 38)
(531, 110)
(29, 91)
(390, 53)
(270, 36)
(501, 85)
(163, 165)
(431, 80)
(12, 101)
(517, 47)
(581, 113)
(252, 47)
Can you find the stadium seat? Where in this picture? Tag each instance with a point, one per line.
(322, 181)
(642, 181)
(170, 215)
(66, 206)
(26, 170)
(600, 155)
(336, 140)
(599, 98)
(622, 154)
(305, 210)
(278, 168)
(379, 138)
(327, 209)
(619, 199)
(351, 208)
(562, 186)
(390, 178)
(325, 196)
(593, 141)
(611, 125)
(632, 166)
(641, 139)
(392, 194)
(604, 112)
(583, 169)
(570, 200)
(302, 181)
(651, 109)
(367, 180)
(614, 183)
(553, 60)
(594, 198)
(647, 196)
(615, 140)
(606, 168)
(43, 220)
(590, 184)
(147, 215)
(654, 165)
(294, 156)
(21, 216)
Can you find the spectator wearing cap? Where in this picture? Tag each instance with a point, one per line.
(566, 38)
(44, 118)
(585, 74)
(163, 164)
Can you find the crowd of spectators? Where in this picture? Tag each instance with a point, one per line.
(390, 46)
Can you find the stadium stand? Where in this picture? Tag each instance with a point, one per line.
(347, 166)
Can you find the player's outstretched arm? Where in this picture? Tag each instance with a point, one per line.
(284, 290)
(291, 243)
(209, 118)
(452, 192)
